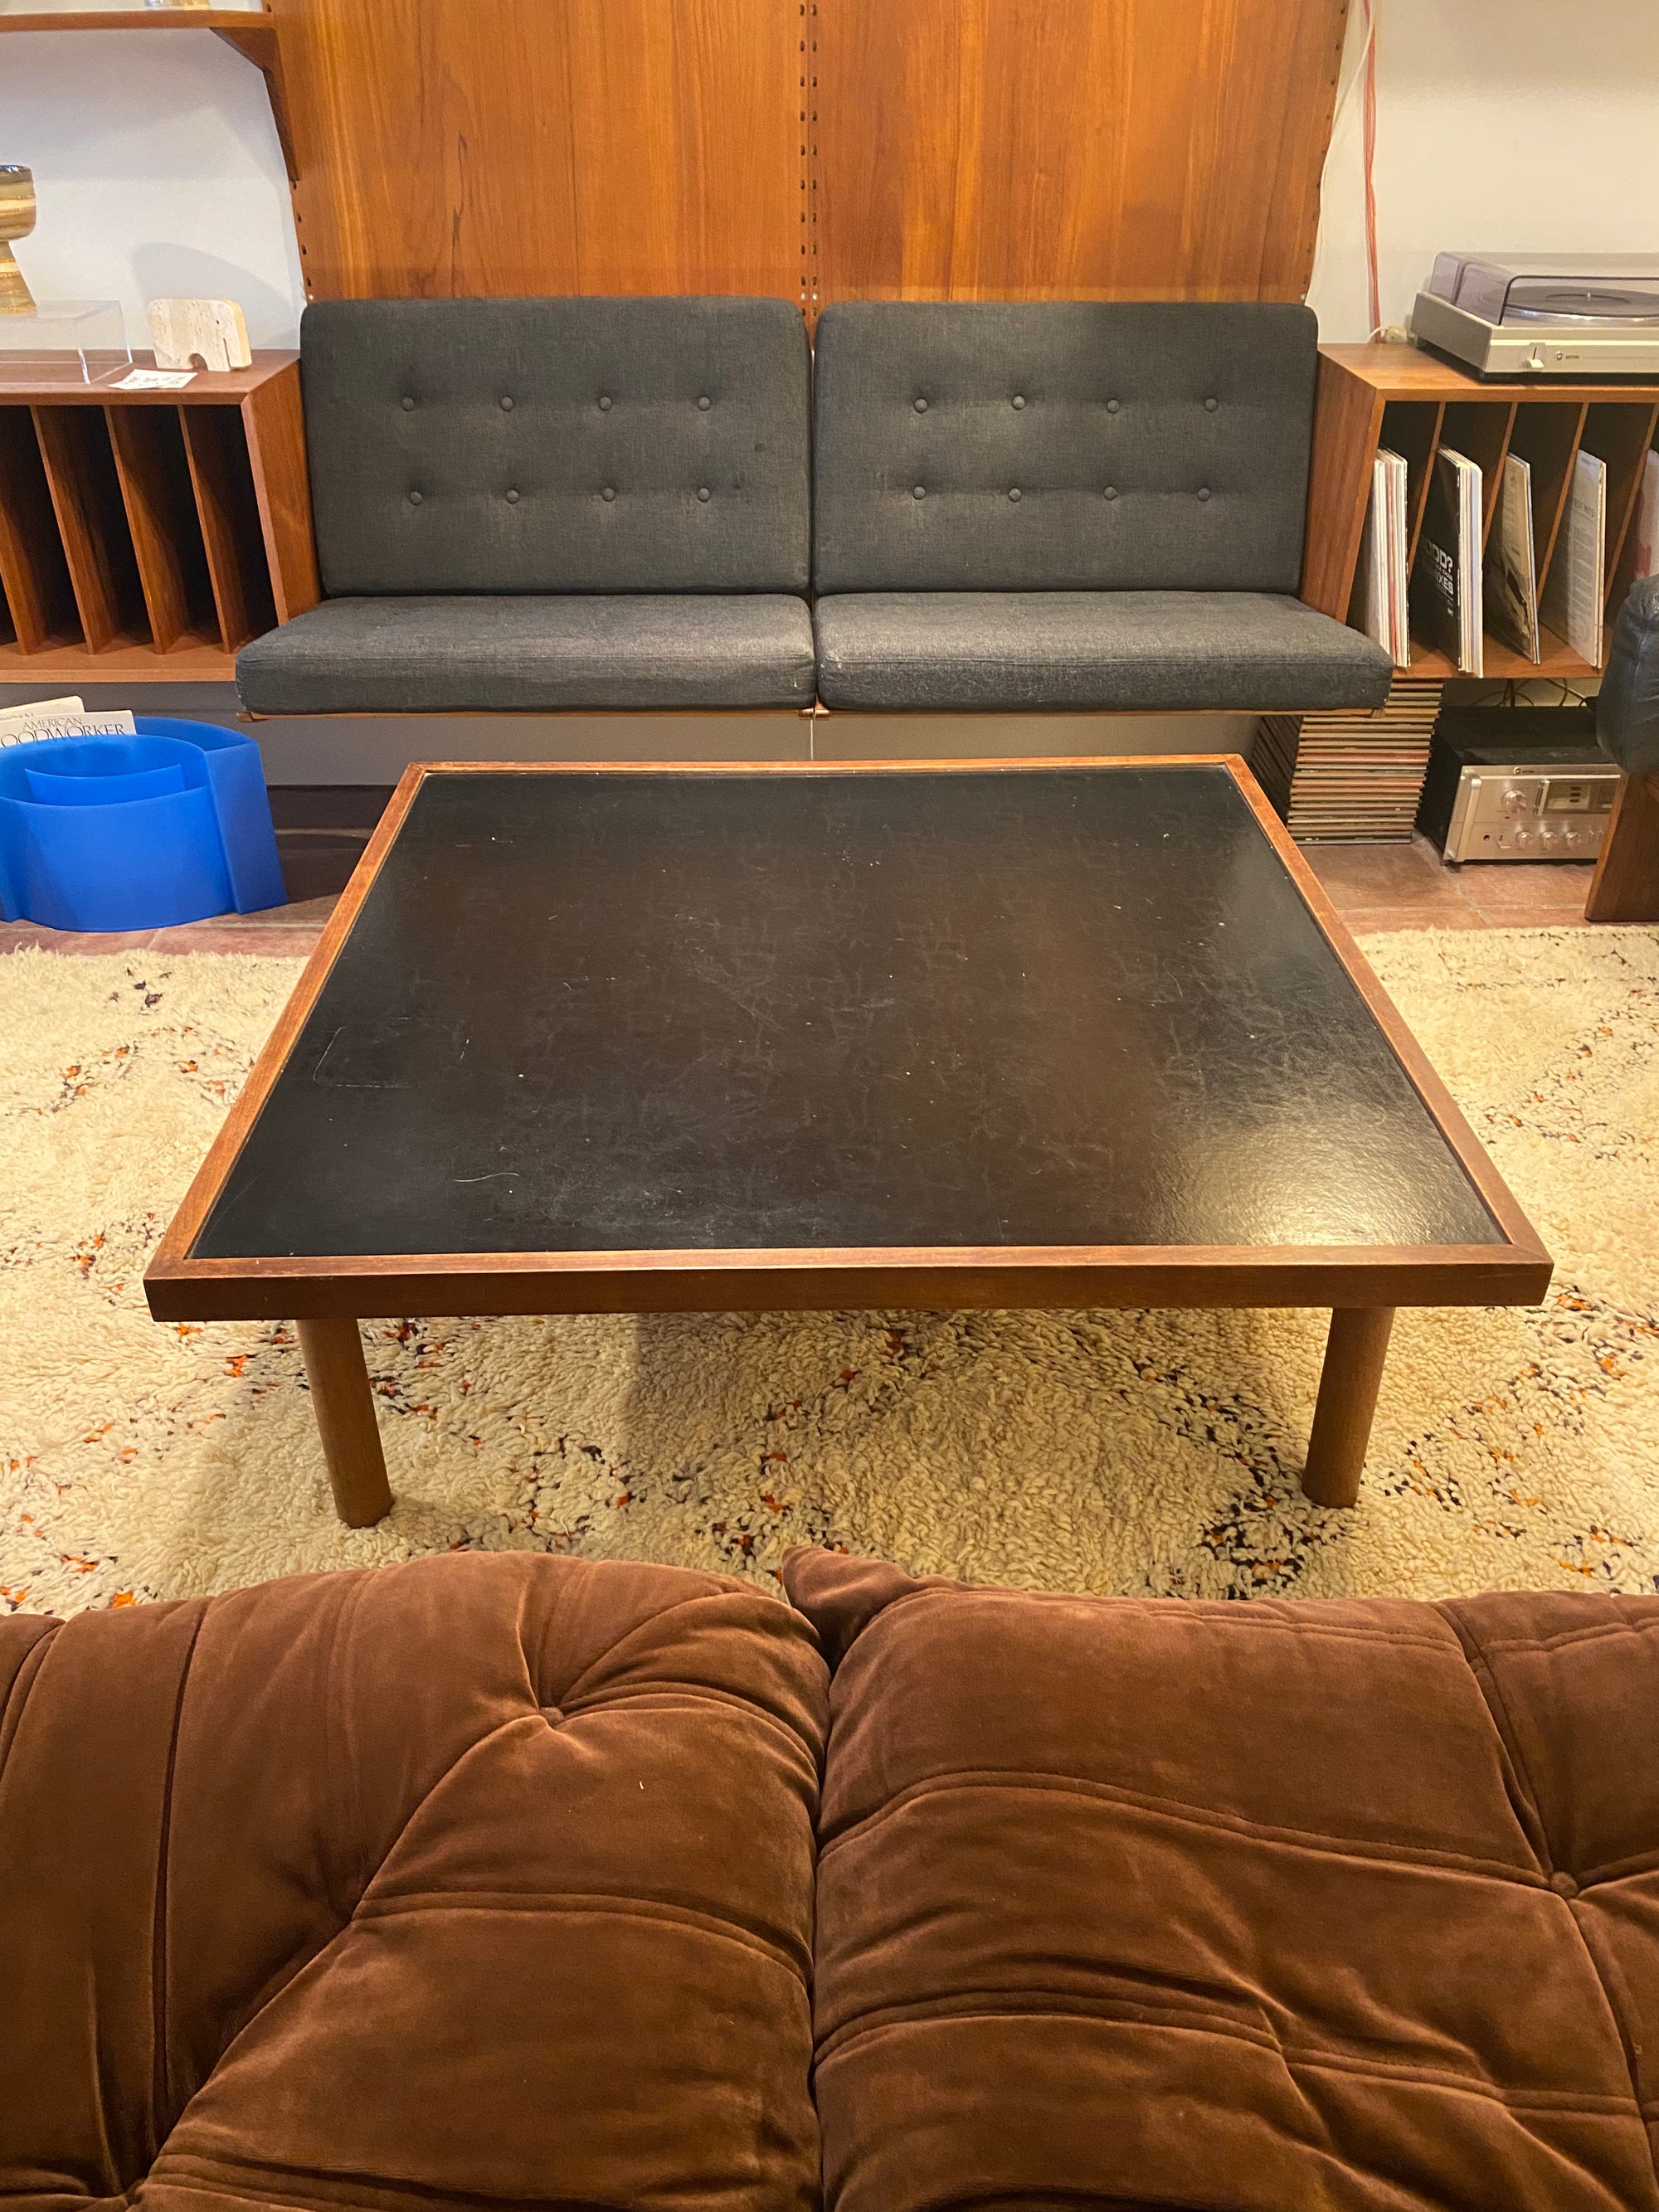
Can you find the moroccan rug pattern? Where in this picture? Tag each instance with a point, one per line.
(1146, 1453)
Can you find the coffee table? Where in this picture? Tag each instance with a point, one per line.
(590, 1039)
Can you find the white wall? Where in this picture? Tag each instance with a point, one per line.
(1518, 124)
(1500, 122)
(157, 171)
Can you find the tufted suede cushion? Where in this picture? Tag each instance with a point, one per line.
(1350, 1904)
(1151, 447)
(477, 1880)
(528, 655)
(557, 445)
(1258, 651)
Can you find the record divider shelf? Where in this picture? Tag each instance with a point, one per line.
(148, 534)
(1347, 773)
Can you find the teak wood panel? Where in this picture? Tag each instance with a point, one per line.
(1622, 435)
(1479, 430)
(502, 147)
(1146, 150)
(1545, 436)
(86, 497)
(273, 422)
(35, 577)
(810, 149)
(180, 1287)
(166, 538)
(1346, 427)
(1621, 569)
(227, 507)
(1626, 885)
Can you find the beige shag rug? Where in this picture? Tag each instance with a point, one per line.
(1150, 1452)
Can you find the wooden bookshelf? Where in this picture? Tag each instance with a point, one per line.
(149, 534)
(1409, 401)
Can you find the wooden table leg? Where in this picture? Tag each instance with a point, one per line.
(1354, 1353)
(1626, 885)
(334, 1367)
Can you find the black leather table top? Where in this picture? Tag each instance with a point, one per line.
(623, 1011)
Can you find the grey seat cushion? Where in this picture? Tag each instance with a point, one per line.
(1062, 446)
(525, 654)
(1257, 651)
(557, 445)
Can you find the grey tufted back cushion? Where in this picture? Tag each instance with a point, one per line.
(558, 445)
(1062, 446)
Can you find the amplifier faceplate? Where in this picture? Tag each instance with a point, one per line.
(1527, 812)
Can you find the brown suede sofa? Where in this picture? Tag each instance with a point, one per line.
(520, 1881)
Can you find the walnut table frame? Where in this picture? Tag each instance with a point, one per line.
(917, 1035)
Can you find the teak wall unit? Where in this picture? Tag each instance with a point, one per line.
(148, 534)
(810, 149)
(1400, 397)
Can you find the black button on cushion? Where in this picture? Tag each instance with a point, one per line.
(703, 491)
(408, 405)
(414, 499)
(1210, 406)
(507, 406)
(704, 404)
(512, 499)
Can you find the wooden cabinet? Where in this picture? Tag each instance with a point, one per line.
(151, 533)
(1401, 397)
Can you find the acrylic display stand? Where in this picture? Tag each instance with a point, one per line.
(65, 342)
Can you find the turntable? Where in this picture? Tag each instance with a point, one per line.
(1570, 315)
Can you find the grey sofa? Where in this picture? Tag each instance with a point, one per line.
(539, 504)
(1070, 505)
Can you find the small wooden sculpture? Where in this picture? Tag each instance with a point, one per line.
(17, 221)
(198, 334)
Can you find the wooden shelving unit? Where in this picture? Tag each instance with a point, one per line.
(148, 534)
(1400, 397)
(251, 31)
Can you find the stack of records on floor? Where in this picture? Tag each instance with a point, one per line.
(1353, 776)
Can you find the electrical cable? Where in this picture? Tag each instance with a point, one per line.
(1362, 74)
(1369, 71)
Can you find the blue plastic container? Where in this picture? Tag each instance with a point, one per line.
(172, 824)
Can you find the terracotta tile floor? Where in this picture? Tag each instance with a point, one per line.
(1372, 886)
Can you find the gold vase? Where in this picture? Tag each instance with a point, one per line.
(17, 221)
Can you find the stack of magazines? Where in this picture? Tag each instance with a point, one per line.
(60, 718)
(1351, 777)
